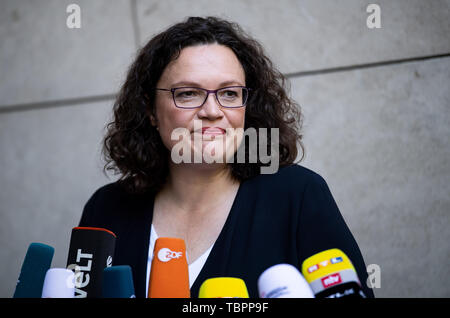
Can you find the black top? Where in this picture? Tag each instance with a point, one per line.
(284, 217)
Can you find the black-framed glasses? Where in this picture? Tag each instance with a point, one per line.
(194, 97)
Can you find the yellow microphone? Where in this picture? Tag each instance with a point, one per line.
(169, 275)
(223, 287)
(331, 274)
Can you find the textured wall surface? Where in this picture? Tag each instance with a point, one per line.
(376, 104)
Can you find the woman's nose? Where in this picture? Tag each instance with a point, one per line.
(211, 108)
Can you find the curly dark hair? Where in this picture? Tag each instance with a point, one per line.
(133, 147)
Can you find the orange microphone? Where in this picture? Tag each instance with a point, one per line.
(169, 275)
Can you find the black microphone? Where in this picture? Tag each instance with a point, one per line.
(32, 275)
(331, 275)
(91, 251)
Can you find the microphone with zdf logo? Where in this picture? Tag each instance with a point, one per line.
(169, 275)
(91, 251)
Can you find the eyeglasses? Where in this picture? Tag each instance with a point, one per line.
(194, 97)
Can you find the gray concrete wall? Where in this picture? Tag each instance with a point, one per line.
(376, 105)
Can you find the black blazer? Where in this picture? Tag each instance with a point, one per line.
(275, 218)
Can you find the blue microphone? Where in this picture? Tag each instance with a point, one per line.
(118, 282)
(32, 275)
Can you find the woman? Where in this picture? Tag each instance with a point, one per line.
(191, 95)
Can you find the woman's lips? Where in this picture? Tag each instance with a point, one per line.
(213, 131)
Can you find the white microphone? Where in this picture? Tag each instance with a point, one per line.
(283, 281)
(59, 283)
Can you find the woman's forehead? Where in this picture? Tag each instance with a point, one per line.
(203, 62)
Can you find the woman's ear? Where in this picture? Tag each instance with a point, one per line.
(152, 117)
(153, 120)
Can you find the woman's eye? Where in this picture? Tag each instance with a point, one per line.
(187, 94)
(229, 94)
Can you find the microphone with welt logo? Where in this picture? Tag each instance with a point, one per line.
(223, 287)
(118, 282)
(169, 274)
(91, 250)
(35, 265)
(331, 275)
(283, 281)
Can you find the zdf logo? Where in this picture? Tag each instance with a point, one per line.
(165, 254)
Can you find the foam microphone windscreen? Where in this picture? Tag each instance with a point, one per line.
(331, 275)
(91, 250)
(59, 283)
(169, 275)
(38, 260)
(283, 281)
(118, 282)
(223, 287)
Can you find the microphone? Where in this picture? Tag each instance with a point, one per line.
(59, 283)
(283, 281)
(118, 282)
(169, 275)
(223, 287)
(331, 275)
(91, 250)
(35, 265)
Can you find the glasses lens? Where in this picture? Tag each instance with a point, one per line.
(232, 96)
(189, 97)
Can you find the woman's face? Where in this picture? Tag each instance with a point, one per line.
(211, 67)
